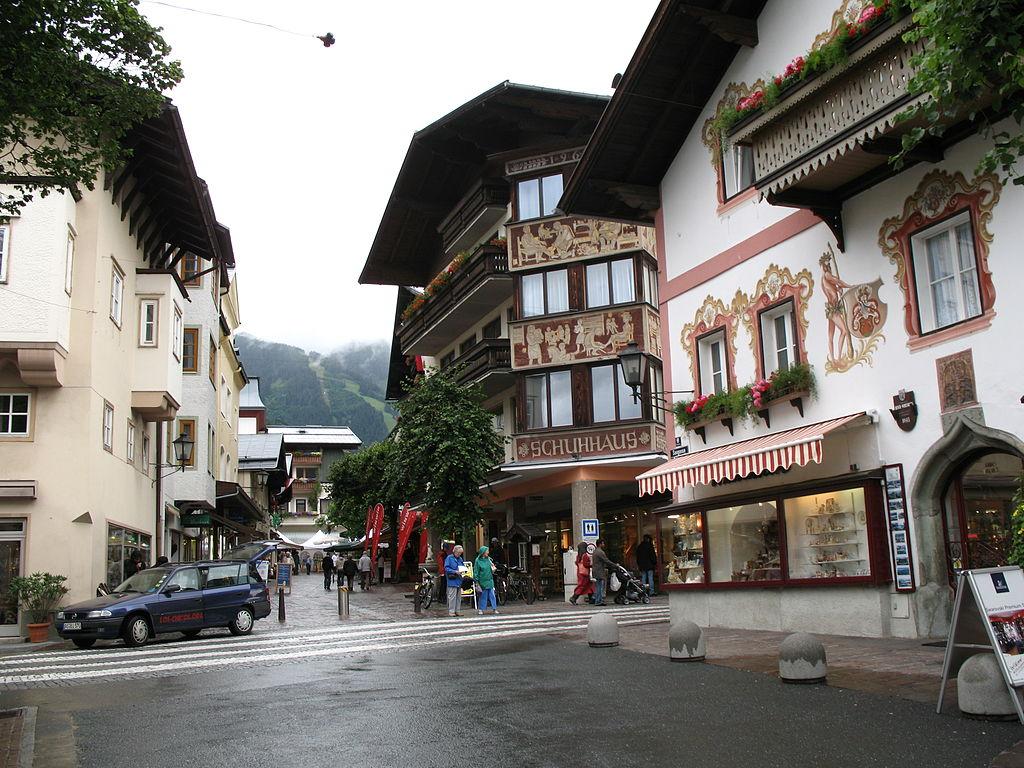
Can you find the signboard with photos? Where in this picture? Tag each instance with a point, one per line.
(988, 617)
(898, 526)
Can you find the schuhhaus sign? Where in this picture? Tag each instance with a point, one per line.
(577, 445)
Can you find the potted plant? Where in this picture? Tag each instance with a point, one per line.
(38, 596)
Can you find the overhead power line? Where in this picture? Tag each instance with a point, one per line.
(327, 39)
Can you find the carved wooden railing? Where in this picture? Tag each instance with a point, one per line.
(489, 193)
(486, 356)
(829, 115)
(486, 262)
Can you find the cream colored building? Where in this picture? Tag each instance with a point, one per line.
(91, 328)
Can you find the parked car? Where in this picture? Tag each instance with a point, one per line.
(178, 597)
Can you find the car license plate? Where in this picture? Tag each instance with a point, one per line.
(72, 625)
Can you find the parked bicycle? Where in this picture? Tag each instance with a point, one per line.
(427, 588)
(514, 583)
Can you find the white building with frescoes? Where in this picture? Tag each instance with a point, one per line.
(849, 329)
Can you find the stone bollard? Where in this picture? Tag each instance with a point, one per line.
(603, 631)
(686, 642)
(802, 659)
(980, 690)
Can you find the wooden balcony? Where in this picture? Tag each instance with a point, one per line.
(482, 284)
(593, 442)
(304, 487)
(488, 363)
(307, 459)
(830, 137)
(475, 216)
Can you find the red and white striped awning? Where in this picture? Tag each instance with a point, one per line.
(781, 450)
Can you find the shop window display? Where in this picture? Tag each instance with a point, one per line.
(744, 543)
(827, 536)
(683, 549)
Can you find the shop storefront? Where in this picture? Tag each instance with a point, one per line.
(828, 533)
(124, 547)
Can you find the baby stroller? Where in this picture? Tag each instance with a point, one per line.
(630, 590)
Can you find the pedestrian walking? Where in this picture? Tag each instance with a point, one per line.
(307, 559)
(584, 584)
(365, 568)
(328, 570)
(453, 575)
(599, 563)
(483, 572)
(349, 570)
(647, 561)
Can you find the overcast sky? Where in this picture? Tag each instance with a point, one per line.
(301, 144)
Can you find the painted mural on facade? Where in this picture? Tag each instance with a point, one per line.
(572, 238)
(777, 285)
(592, 336)
(957, 387)
(712, 315)
(855, 315)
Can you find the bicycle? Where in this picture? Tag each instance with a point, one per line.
(426, 588)
(520, 586)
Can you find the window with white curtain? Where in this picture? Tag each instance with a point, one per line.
(538, 197)
(610, 282)
(946, 273)
(778, 339)
(737, 168)
(549, 400)
(711, 362)
(611, 399)
(545, 293)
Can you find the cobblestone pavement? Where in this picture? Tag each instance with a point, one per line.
(11, 722)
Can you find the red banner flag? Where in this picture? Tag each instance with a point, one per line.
(424, 543)
(406, 520)
(369, 526)
(378, 523)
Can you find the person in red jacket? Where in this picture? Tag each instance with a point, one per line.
(584, 585)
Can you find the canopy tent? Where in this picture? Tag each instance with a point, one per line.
(285, 540)
(321, 540)
(746, 458)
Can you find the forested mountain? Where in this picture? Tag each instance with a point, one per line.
(343, 388)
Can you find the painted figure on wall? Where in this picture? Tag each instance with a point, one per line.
(855, 315)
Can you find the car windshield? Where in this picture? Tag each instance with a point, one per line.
(144, 582)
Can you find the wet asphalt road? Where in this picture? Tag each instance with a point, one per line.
(539, 701)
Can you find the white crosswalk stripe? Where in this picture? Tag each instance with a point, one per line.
(271, 647)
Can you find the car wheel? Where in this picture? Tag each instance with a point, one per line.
(190, 633)
(136, 631)
(242, 623)
(84, 642)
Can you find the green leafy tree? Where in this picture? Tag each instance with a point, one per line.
(359, 480)
(1016, 556)
(75, 76)
(447, 448)
(973, 50)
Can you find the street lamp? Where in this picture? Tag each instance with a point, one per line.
(633, 368)
(183, 445)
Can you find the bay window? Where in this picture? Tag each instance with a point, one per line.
(176, 339)
(544, 293)
(610, 282)
(611, 399)
(650, 284)
(116, 294)
(538, 197)
(149, 311)
(549, 400)
(779, 350)
(946, 273)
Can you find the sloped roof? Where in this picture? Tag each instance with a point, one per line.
(451, 154)
(316, 435)
(262, 451)
(249, 398)
(676, 68)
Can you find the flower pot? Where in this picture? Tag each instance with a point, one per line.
(37, 633)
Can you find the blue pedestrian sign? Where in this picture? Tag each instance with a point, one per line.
(591, 529)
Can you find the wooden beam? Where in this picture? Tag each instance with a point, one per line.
(825, 206)
(637, 196)
(925, 152)
(725, 26)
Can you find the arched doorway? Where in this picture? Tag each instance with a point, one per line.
(977, 508)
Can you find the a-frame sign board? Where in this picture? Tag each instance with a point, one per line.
(988, 617)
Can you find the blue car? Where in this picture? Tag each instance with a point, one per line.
(177, 597)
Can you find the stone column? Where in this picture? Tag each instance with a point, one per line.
(584, 507)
